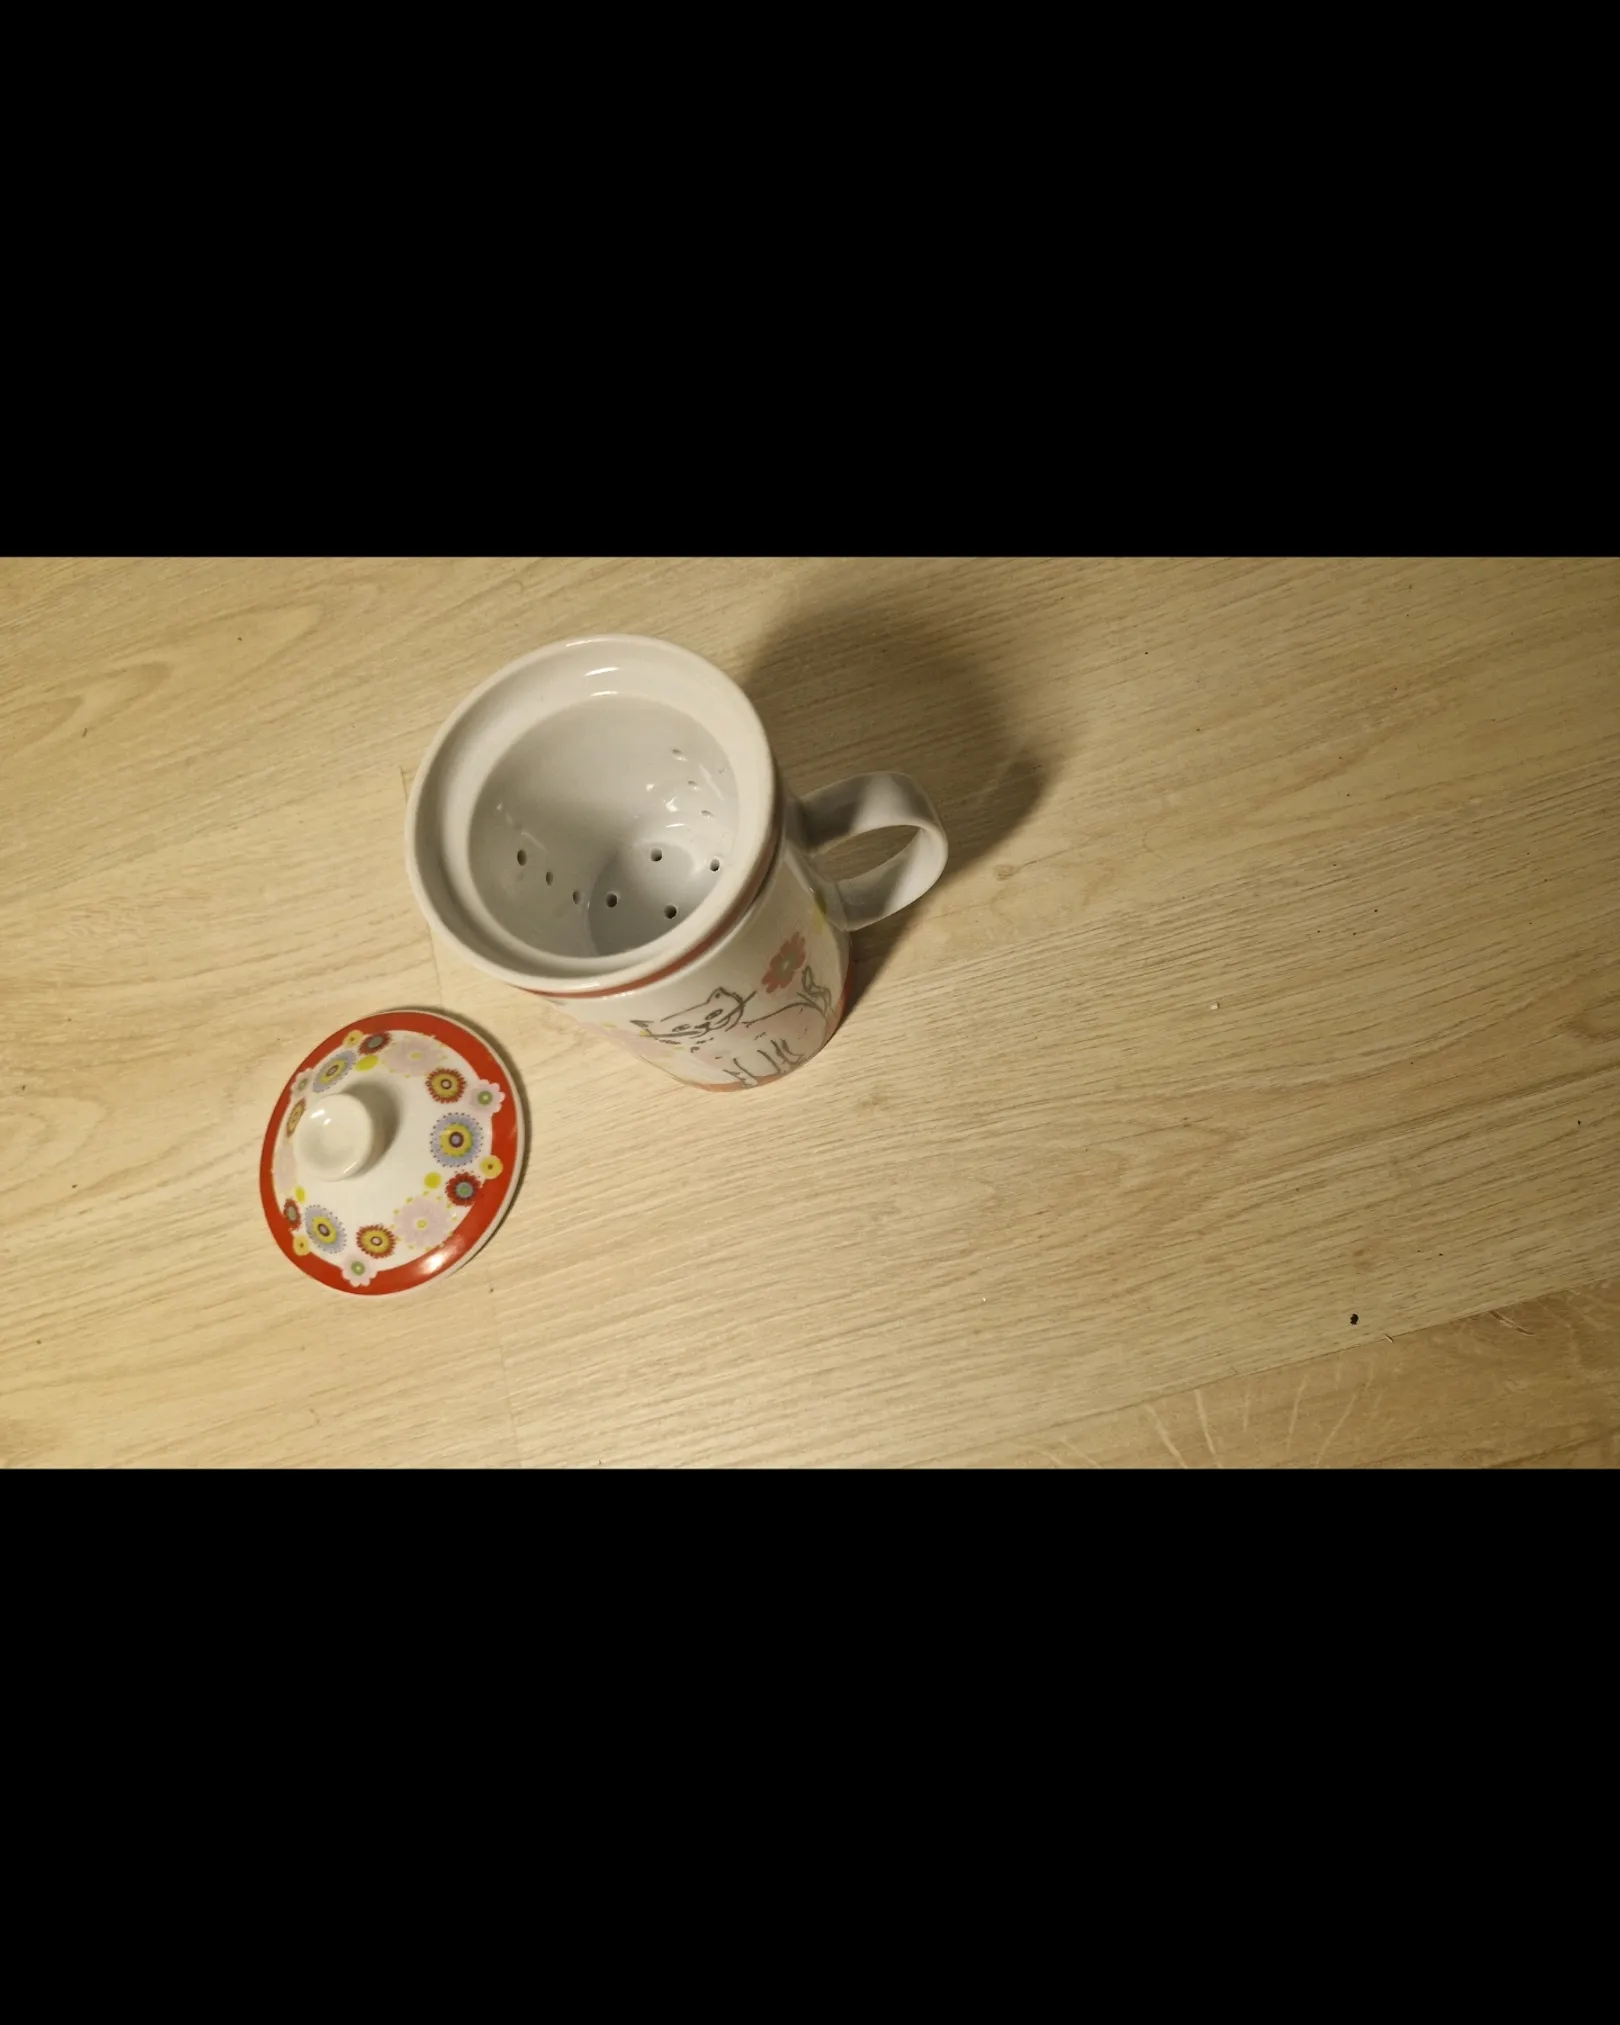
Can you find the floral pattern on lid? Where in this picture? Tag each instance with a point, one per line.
(455, 1140)
(424, 1220)
(392, 1225)
(332, 1071)
(413, 1054)
(326, 1232)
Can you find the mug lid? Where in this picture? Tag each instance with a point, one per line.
(393, 1153)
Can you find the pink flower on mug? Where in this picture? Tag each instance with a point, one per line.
(784, 965)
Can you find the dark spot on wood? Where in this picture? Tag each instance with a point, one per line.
(1354, 1319)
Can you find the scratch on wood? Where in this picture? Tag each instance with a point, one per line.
(1079, 1451)
(1169, 1444)
(1304, 1378)
(1507, 1322)
(1203, 1422)
(1343, 1417)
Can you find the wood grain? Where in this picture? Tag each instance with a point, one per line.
(1536, 1385)
(1275, 979)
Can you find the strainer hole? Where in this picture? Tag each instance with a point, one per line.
(656, 856)
(548, 878)
(707, 812)
(613, 899)
(669, 913)
(576, 899)
(523, 857)
(714, 864)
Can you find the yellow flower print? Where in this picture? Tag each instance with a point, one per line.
(456, 1140)
(489, 1167)
(430, 1180)
(326, 1231)
(300, 1243)
(353, 1039)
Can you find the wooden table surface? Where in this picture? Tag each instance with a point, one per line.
(1245, 1095)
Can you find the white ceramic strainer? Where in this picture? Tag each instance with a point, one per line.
(591, 813)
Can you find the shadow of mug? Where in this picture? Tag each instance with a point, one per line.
(865, 687)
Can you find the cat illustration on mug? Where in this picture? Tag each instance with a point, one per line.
(750, 1051)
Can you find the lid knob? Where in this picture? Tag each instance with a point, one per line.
(337, 1138)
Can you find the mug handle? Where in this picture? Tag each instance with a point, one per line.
(878, 801)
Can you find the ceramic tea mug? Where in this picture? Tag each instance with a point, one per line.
(602, 823)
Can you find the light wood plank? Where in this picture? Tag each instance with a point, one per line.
(1533, 1386)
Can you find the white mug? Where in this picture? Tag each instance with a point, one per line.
(602, 823)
